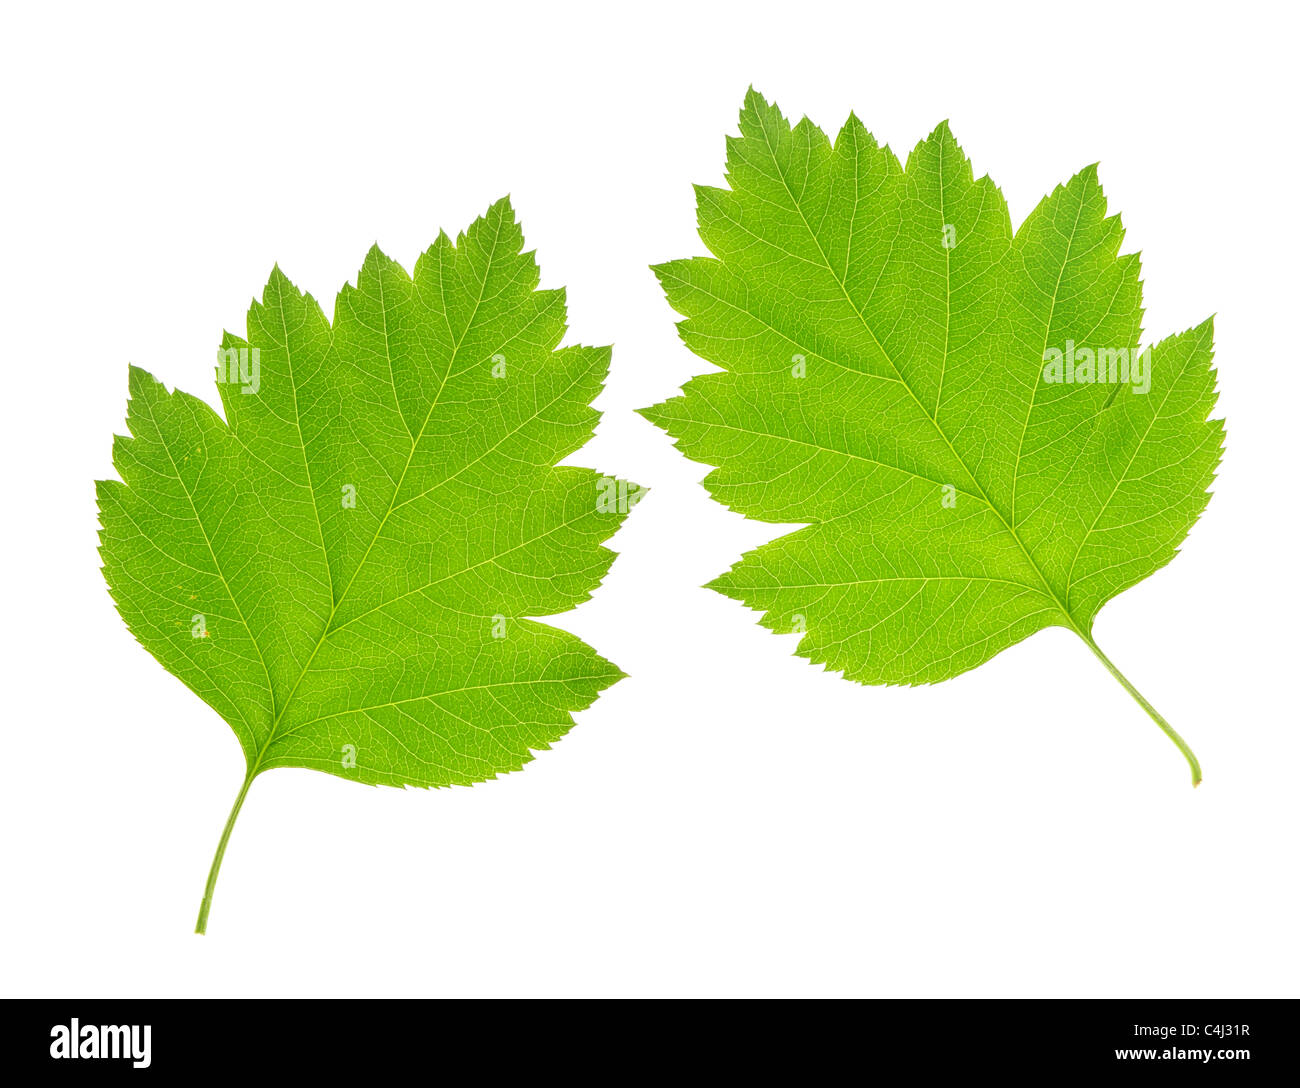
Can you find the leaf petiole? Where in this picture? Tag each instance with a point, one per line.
(1156, 716)
(206, 905)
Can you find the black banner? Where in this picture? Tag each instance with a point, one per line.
(163, 1038)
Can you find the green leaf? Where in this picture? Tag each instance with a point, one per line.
(346, 567)
(887, 344)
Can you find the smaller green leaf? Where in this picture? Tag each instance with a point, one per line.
(348, 568)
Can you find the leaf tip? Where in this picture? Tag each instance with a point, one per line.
(502, 207)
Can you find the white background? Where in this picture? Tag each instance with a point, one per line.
(731, 819)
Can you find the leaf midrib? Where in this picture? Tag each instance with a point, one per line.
(272, 735)
(826, 264)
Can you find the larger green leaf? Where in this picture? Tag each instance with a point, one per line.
(891, 351)
(345, 567)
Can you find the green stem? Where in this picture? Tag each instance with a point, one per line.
(1156, 716)
(206, 905)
